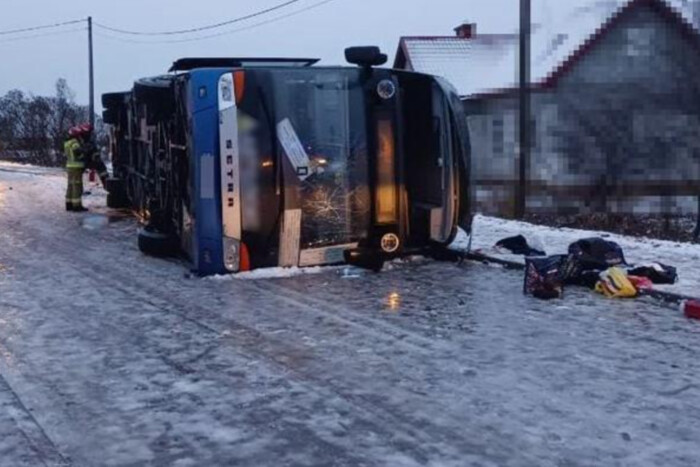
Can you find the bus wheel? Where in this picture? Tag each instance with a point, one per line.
(154, 243)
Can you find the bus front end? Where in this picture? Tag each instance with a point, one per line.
(325, 165)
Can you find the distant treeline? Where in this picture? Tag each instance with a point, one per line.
(33, 128)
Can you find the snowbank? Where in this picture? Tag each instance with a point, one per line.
(270, 273)
(684, 256)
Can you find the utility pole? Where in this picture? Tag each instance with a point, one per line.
(92, 73)
(524, 120)
(696, 232)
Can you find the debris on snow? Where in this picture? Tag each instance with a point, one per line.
(638, 250)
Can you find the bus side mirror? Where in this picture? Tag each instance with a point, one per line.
(365, 56)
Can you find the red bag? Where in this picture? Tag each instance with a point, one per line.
(692, 309)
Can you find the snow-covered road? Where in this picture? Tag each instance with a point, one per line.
(111, 358)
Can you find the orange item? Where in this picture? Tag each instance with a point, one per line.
(245, 258)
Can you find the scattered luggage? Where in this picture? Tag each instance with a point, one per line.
(595, 263)
(588, 258)
(596, 254)
(575, 273)
(543, 277)
(691, 309)
(518, 245)
(640, 283)
(614, 283)
(658, 273)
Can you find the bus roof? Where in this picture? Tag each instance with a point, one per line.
(189, 64)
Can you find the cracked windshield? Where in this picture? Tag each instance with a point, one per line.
(325, 108)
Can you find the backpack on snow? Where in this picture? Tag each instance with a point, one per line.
(543, 277)
(587, 258)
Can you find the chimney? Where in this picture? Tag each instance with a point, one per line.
(466, 30)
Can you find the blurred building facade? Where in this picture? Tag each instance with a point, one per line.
(615, 109)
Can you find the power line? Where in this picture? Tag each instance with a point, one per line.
(224, 33)
(201, 28)
(37, 28)
(46, 34)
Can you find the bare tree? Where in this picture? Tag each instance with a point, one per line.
(64, 115)
(33, 128)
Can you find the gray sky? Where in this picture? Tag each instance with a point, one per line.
(34, 65)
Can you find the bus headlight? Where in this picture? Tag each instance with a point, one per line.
(231, 254)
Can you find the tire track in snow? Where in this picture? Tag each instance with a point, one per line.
(279, 353)
(42, 445)
(254, 345)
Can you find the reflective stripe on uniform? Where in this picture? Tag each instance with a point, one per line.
(70, 148)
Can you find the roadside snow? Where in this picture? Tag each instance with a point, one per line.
(30, 169)
(270, 273)
(684, 256)
(345, 271)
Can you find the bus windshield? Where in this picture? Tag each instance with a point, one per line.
(324, 110)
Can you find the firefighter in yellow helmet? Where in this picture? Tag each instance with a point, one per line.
(75, 165)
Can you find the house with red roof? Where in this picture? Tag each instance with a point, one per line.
(615, 108)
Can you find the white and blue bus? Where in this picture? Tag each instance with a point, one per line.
(237, 164)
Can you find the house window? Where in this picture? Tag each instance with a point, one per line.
(639, 41)
(497, 136)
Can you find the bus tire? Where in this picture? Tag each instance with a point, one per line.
(110, 116)
(158, 244)
(114, 99)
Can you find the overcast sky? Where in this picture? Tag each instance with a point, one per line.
(34, 65)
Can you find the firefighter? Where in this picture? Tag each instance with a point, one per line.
(93, 158)
(75, 165)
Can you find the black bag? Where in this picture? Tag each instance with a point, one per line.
(658, 273)
(518, 245)
(543, 277)
(574, 273)
(596, 254)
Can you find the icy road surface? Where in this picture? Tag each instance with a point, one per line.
(110, 358)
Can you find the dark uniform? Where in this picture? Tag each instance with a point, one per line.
(93, 161)
(75, 166)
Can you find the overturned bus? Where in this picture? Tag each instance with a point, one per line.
(238, 164)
